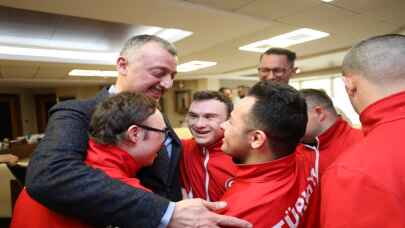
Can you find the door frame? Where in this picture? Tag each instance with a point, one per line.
(15, 113)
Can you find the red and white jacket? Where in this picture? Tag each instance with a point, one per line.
(334, 141)
(110, 159)
(279, 193)
(206, 172)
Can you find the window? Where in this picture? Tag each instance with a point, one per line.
(334, 87)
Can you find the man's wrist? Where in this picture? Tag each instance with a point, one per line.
(164, 222)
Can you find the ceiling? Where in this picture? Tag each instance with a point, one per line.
(219, 27)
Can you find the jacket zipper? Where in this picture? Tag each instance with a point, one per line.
(207, 177)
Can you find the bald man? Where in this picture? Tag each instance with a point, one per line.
(365, 187)
(327, 128)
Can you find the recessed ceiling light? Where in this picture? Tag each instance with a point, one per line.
(285, 40)
(194, 65)
(93, 73)
(327, 0)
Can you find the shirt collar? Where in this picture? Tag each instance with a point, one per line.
(275, 170)
(331, 133)
(112, 90)
(385, 110)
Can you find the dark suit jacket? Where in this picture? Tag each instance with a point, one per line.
(58, 178)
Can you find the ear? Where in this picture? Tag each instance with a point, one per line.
(122, 66)
(295, 70)
(257, 139)
(320, 112)
(134, 134)
(350, 84)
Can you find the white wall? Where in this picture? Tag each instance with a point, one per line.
(334, 87)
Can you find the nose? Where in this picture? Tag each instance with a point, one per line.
(199, 122)
(166, 81)
(222, 125)
(268, 76)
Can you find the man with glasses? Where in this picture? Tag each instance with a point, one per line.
(206, 171)
(326, 129)
(146, 64)
(126, 133)
(276, 185)
(277, 64)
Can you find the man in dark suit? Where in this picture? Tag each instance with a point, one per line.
(58, 178)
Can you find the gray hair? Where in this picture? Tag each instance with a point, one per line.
(380, 59)
(136, 42)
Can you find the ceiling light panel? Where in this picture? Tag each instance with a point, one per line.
(93, 73)
(53, 55)
(57, 38)
(194, 65)
(285, 40)
(170, 34)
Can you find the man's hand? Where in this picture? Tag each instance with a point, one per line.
(199, 213)
(9, 159)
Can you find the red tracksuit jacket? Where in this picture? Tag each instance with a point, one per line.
(365, 186)
(206, 172)
(110, 159)
(338, 138)
(279, 193)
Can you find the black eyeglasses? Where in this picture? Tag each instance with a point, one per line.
(165, 130)
(276, 71)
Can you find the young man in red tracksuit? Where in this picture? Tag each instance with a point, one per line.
(126, 132)
(326, 129)
(365, 186)
(206, 171)
(276, 185)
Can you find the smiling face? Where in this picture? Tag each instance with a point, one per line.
(236, 140)
(228, 93)
(149, 69)
(275, 68)
(204, 119)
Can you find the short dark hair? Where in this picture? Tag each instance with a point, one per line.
(117, 113)
(318, 97)
(138, 41)
(281, 112)
(291, 56)
(214, 95)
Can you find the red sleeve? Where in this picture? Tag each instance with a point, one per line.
(30, 213)
(351, 199)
